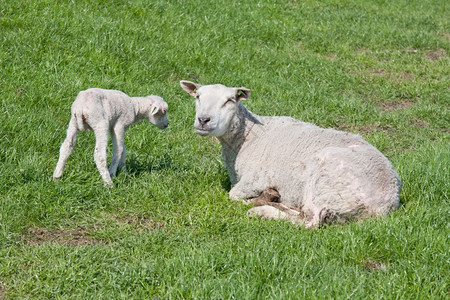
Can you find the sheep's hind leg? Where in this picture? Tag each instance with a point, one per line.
(276, 211)
(66, 148)
(267, 205)
(101, 142)
(268, 195)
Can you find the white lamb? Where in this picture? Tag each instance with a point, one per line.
(104, 111)
(291, 169)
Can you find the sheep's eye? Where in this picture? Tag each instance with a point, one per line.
(230, 100)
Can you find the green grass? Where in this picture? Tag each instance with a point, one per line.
(167, 229)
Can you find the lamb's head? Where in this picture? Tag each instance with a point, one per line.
(158, 112)
(215, 107)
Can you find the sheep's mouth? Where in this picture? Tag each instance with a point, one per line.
(203, 131)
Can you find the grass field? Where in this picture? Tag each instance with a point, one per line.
(167, 230)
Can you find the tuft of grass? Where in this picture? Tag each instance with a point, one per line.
(167, 229)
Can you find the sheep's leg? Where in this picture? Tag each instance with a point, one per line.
(276, 211)
(101, 142)
(267, 196)
(118, 158)
(66, 148)
(241, 192)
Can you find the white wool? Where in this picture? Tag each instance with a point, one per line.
(104, 112)
(326, 174)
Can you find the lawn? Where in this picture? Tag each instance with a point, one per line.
(167, 229)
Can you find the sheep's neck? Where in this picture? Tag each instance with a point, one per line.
(232, 141)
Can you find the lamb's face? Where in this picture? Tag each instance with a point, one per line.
(215, 106)
(158, 112)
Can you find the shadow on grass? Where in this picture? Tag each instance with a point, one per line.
(136, 165)
(224, 178)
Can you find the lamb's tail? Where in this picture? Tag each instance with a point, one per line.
(79, 119)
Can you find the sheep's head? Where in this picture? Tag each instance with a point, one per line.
(215, 106)
(158, 112)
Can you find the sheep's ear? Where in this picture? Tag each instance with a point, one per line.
(154, 110)
(190, 87)
(242, 93)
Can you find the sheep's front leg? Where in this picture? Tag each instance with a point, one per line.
(101, 142)
(242, 191)
(119, 152)
(66, 148)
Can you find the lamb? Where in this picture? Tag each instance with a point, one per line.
(291, 169)
(105, 111)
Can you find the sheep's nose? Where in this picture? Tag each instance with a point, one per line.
(203, 121)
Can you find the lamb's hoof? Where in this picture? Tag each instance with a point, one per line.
(56, 178)
(109, 185)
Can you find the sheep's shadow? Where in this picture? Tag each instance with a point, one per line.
(224, 178)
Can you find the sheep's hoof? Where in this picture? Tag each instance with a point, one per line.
(271, 195)
(56, 178)
(268, 195)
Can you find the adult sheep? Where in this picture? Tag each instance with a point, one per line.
(291, 169)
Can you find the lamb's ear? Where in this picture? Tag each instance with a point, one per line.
(242, 93)
(190, 87)
(154, 110)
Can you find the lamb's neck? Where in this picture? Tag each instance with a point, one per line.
(141, 107)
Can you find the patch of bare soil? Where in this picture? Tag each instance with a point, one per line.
(75, 237)
(370, 73)
(414, 51)
(434, 55)
(138, 222)
(3, 289)
(419, 123)
(371, 265)
(391, 106)
(332, 57)
(378, 72)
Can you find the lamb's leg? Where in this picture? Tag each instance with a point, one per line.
(66, 148)
(118, 158)
(101, 142)
(122, 159)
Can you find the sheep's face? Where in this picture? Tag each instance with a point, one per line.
(215, 106)
(158, 112)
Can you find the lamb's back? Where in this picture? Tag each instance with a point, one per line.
(110, 105)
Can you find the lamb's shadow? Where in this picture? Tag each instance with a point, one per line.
(138, 165)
